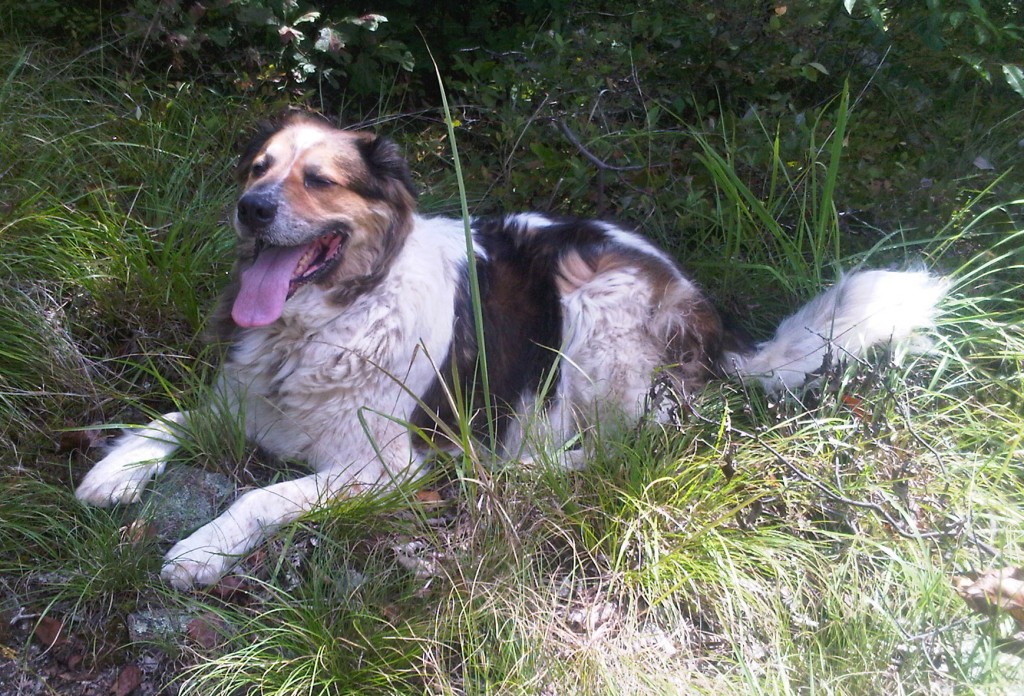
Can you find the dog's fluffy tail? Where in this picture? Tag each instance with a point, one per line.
(862, 310)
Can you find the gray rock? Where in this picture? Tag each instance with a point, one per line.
(184, 498)
(158, 625)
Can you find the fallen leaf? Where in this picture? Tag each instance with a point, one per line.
(228, 587)
(77, 676)
(205, 630)
(80, 440)
(49, 632)
(256, 559)
(128, 680)
(429, 496)
(391, 612)
(983, 164)
(856, 405)
(994, 590)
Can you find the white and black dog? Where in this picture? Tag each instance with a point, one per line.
(350, 324)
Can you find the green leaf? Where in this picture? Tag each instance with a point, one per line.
(977, 63)
(1015, 78)
(257, 15)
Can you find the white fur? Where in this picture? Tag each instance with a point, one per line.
(630, 239)
(862, 310)
(345, 384)
(138, 456)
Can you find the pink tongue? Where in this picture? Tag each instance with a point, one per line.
(264, 286)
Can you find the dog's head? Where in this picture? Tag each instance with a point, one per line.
(319, 206)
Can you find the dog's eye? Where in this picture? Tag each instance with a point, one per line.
(317, 181)
(260, 168)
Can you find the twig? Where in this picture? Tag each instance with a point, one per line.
(828, 492)
(863, 504)
(594, 159)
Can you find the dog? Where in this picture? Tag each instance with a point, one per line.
(353, 343)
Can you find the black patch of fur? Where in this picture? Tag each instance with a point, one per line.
(522, 327)
(385, 163)
(221, 328)
(735, 338)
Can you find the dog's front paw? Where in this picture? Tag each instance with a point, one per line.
(210, 551)
(115, 479)
(198, 560)
(121, 476)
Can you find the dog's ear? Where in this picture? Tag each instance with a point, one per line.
(385, 163)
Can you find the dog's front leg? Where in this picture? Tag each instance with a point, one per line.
(137, 456)
(209, 552)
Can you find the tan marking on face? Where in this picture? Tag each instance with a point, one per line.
(315, 165)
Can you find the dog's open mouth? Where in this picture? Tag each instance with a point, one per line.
(319, 260)
(277, 272)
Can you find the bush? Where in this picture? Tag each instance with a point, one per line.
(318, 53)
(264, 45)
(945, 41)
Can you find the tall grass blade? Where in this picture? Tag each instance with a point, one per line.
(474, 280)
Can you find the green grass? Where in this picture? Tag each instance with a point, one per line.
(757, 547)
(797, 254)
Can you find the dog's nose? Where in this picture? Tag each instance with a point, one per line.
(256, 210)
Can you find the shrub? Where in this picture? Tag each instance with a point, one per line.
(264, 45)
